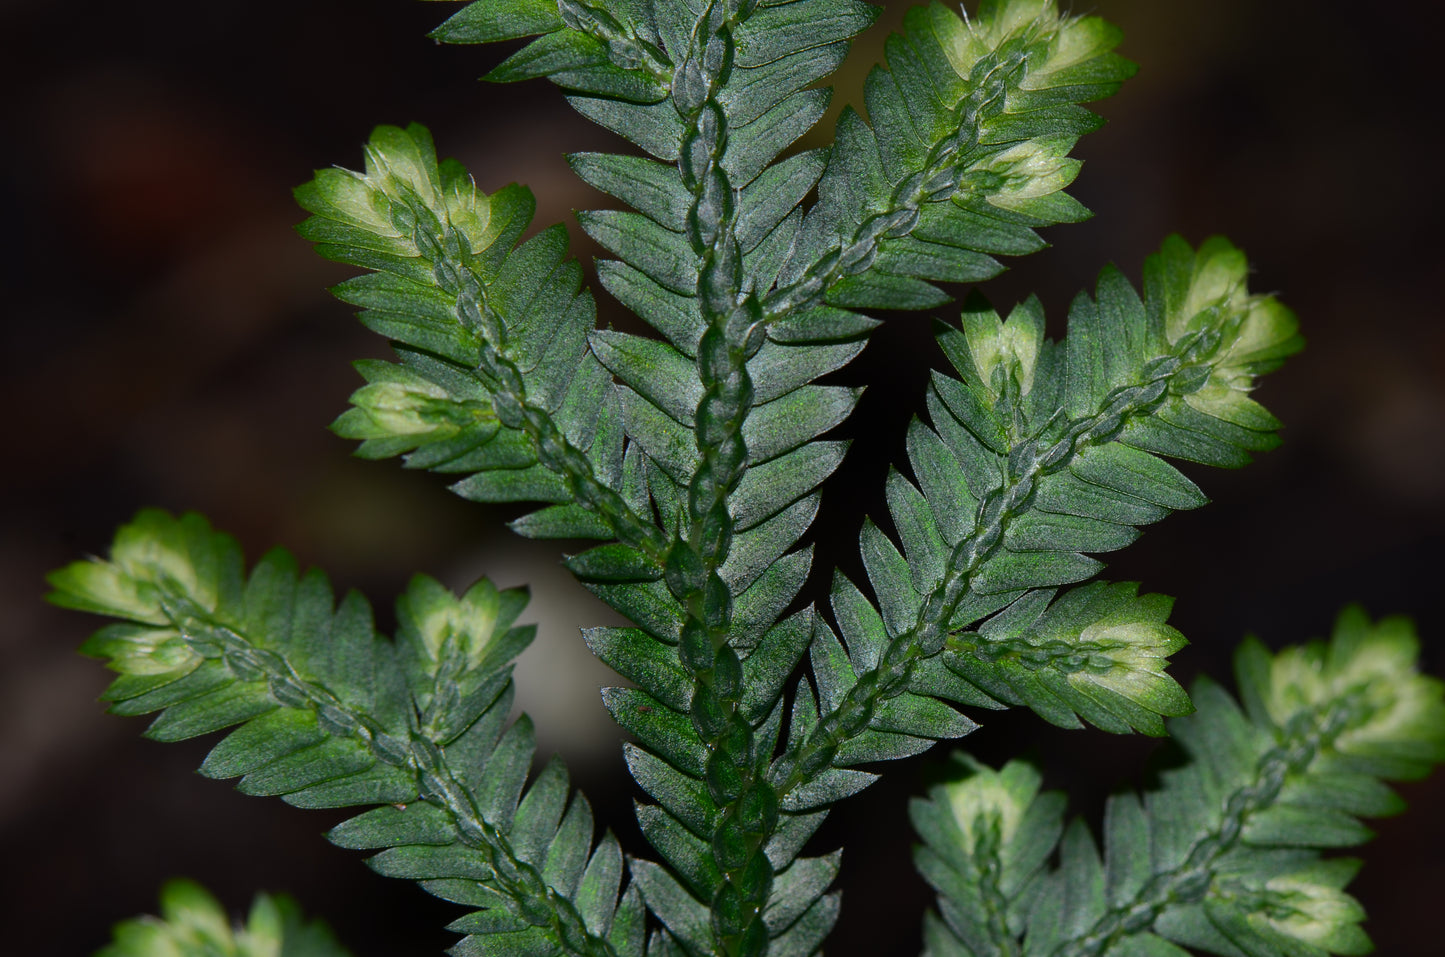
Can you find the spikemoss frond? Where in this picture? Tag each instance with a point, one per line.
(691, 460)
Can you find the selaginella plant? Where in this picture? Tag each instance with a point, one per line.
(692, 458)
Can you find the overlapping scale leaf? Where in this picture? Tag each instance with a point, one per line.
(968, 152)
(192, 923)
(619, 59)
(798, 913)
(780, 50)
(449, 287)
(1200, 303)
(326, 713)
(1395, 726)
(766, 103)
(608, 50)
(1224, 856)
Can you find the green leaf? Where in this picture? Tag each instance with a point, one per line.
(777, 31)
(684, 797)
(921, 716)
(832, 671)
(654, 370)
(661, 254)
(806, 934)
(669, 445)
(485, 21)
(794, 419)
(771, 662)
(1131, 472)
(751, 147)
(594, 49)
(647, 186)
(554, 53)
(923, 544)
(768, 200)
(682, 913)
(666, 732)
(757, 608)
(675, 316)
(881, 290)
(891, 581)
(861, 624)
(753, 552)
(751, 91)
(827, 788)
(561, 521)
(689, 857)
(778, 369)
(637, 657)
(654, 127)
(767, 489)
(822, 324)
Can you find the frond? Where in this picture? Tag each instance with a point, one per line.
(329, 714)
(1224, 857)
(192, 923)
(1038, 455)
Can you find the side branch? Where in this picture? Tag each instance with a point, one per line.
(324, 712)
(441, 245)
(538, 903)
(938, 181)
(1223, 854)
(967, 153)
(1308, 735)
(1027, 465)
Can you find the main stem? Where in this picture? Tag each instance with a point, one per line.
(747, 804)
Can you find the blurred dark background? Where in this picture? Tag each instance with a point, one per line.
(171, 343)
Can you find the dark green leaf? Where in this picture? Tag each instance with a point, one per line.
(485, 21)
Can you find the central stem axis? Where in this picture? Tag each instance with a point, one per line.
(747, 804)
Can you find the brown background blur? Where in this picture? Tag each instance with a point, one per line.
(171, 343)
